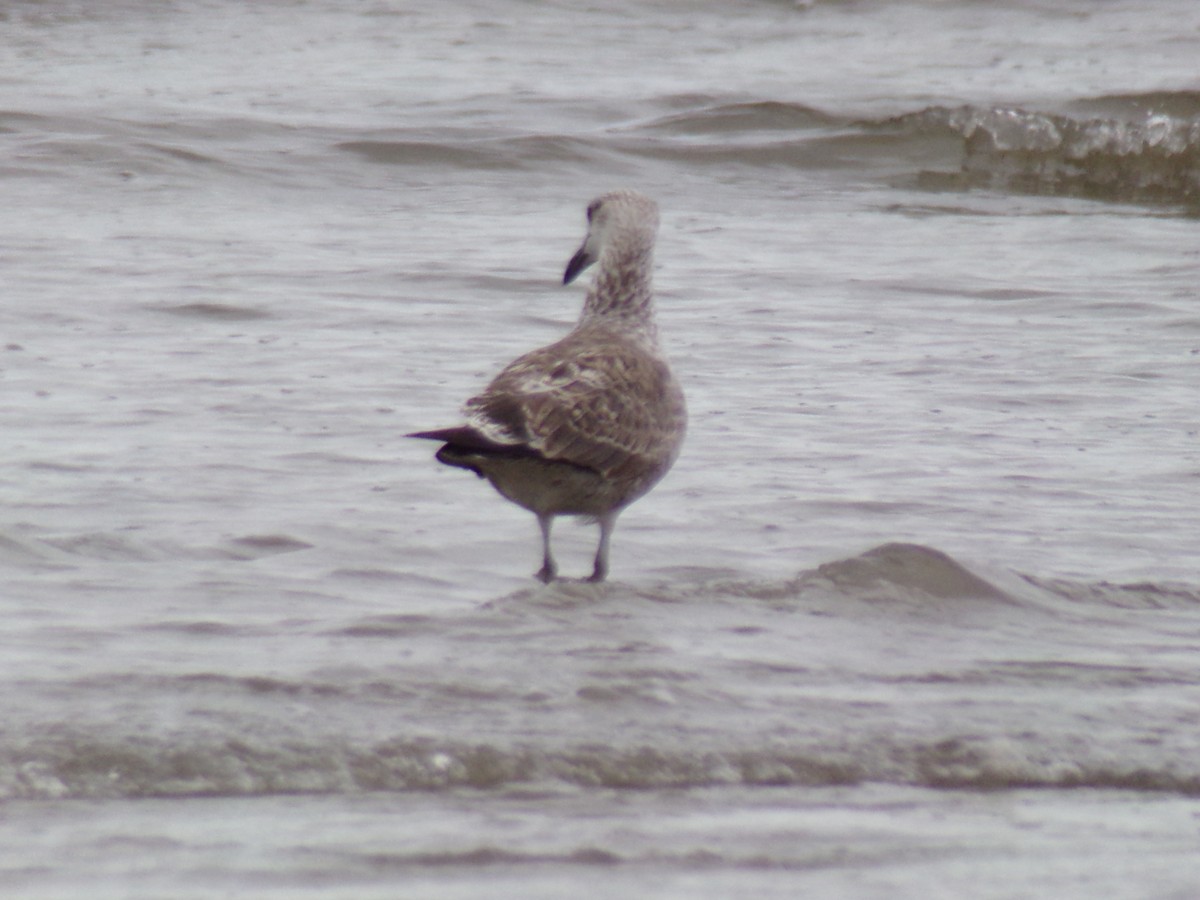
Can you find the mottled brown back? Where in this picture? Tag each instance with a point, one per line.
(594, 399)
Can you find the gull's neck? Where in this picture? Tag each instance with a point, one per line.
(620, 296)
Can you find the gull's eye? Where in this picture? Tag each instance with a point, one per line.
(592, 207)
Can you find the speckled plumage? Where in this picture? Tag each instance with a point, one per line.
(588, 424)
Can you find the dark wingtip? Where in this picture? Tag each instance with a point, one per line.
(464, 438)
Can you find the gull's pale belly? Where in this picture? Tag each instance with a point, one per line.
(553, 488)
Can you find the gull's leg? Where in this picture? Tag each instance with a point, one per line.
(607, 522)
(549, 569)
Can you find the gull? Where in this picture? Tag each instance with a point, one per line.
(588, 424)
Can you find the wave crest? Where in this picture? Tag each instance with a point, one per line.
(155, 768)
(1150, 155)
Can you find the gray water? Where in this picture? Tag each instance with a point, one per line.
(917, 613)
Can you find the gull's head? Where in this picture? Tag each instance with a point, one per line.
(620, 222)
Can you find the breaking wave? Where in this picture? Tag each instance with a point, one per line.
(78, 767)
(680, 719)
(1154, 157)
(241, 736)
(1135, 148)
(1139, 148)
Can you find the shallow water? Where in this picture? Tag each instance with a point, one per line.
(928, 274)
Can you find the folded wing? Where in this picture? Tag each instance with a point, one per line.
(604, 404)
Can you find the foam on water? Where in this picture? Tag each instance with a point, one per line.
(1152, 157)
(664, 676)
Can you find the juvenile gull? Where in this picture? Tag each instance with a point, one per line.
(588, 424)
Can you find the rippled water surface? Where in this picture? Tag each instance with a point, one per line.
(917, 613)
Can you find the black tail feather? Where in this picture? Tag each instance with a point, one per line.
(463, 440)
